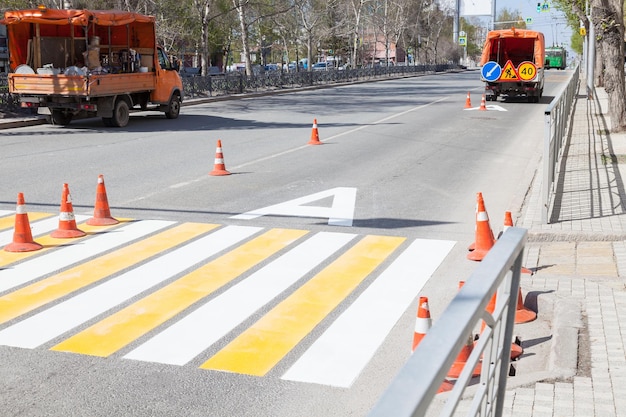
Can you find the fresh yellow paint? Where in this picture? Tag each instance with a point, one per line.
(48, 242)
(42, 292)
(258, 349)
(8, 222)
(121, 328)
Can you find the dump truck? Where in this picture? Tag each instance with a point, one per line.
(89, 63)
(512, 64)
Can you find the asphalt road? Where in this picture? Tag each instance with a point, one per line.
(397, 173)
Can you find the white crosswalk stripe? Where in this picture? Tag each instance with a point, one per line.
(338, 356)
(56, 320)
(191, 335)
(66, 256)
(335, 358)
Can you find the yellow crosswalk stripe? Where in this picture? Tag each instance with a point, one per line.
(40, 293)
(118, 330)
(8, 222)
(258, 349)
(48, 242)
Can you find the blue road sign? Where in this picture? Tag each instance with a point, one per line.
(491, 71)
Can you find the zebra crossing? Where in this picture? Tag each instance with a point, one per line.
(168, 292)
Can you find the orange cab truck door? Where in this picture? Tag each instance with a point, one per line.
(167, 79)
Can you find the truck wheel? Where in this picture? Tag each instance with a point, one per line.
(58, 117)
(121, 113)
(173, 107)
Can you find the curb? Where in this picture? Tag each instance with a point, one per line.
(29, 121)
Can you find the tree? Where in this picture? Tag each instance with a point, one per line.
(510, 19)
(607, 18)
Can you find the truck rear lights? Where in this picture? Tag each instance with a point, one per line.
(28, 104)
(86, 106)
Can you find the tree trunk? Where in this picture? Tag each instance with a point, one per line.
(241, 11)
(608, 18)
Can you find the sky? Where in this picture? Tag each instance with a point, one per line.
(550, 22)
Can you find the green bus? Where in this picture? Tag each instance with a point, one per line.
(556, 57)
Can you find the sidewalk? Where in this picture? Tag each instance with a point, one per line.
(579, 286)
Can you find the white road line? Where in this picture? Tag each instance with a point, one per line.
(6, 212)
(288, 151)
(187, 338)
(341, 353)
(24, 272)
(55, 321)
(347, 132)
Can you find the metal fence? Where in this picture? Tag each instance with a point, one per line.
(413, 390)
(7, 102)
(556, 122)
(197, 86)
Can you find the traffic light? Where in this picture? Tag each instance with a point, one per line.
(538, 7)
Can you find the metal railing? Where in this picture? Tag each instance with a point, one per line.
(413, 390)
(197, 86)
(556, 123)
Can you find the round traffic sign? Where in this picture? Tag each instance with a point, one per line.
(491, 71)
(526, 71)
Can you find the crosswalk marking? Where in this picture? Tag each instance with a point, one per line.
(340, 354)
(285, 283)
(194, 333)
(53, 322)
(6, 212)
(68, 252)
(48, 242)
(118, 330)
(266, 342)
(42, 292)
(8, 222)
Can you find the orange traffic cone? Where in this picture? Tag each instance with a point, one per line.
(315, 137)
(516, 350)
(461, 360)
(67, 222)
(484, 235)
(219, 168)
(523, 314)
(459, 363)
(101, 211)
(482, 104)
(508, 222)
(22, 235)
(422, 325)
(468, 102)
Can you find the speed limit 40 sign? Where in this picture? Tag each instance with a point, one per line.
(526, 71)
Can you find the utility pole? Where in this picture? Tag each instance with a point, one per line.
(455, 26)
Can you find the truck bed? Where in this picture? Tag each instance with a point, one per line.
(81, 86)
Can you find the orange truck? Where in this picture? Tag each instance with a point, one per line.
(512, 64)
(89, 63)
